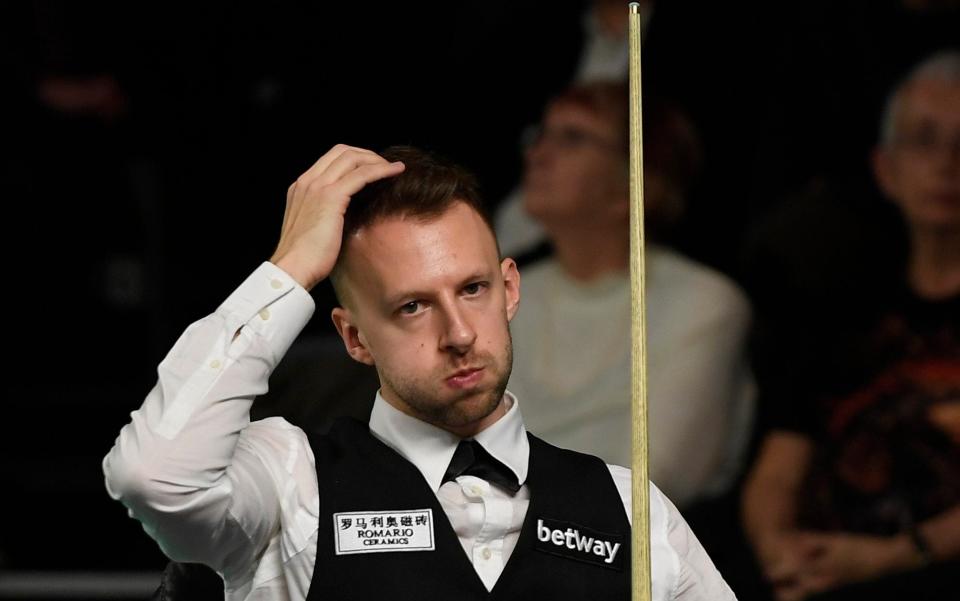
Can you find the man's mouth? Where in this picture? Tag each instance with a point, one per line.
(465, 378)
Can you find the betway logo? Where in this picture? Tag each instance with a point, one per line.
(571, 538)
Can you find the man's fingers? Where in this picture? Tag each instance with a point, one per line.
(353, 182)
(345, 164)
(359, 169)
(329, 157)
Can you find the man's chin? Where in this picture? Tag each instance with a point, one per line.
(483, 403)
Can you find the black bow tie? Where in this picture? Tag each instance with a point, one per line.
(471, 459)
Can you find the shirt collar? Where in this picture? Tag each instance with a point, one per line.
(430, 448)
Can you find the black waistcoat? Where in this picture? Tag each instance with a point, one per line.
(571, 491)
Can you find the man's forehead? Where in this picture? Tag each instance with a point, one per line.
(459, 221)
(400, 250)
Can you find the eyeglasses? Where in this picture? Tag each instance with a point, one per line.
(566, 138)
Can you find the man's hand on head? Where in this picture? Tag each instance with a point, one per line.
(316, 203)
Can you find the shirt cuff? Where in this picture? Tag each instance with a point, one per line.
(272, 304)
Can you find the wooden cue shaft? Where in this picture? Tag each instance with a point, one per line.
(640, 542)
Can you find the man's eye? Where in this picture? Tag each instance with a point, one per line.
(410, 308)
(473, 288)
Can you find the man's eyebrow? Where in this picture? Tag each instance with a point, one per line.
(396, 299)
(478, 275)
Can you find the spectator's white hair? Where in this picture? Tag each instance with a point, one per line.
(942, 66)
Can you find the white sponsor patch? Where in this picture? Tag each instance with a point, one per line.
(381, 531)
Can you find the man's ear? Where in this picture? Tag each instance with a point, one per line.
(353, 340)
(511, 286)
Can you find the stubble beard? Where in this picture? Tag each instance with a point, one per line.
(462, 409)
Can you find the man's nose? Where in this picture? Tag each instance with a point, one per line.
(458, 333)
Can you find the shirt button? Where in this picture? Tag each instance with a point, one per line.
(277, 284)
(486, 553)
(264, 314)
(215, 364)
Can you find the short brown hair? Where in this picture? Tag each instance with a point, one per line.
(427, 187)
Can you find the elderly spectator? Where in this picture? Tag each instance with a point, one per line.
(855, 493)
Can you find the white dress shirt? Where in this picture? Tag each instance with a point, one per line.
(210, 486)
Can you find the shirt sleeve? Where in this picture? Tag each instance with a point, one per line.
(205, 483)
(680, 568)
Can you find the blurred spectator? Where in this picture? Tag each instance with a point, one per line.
(603, 57)
(571, 339)
(715, 62)
(856, 491)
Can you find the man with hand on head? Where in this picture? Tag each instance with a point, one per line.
(443, 494)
